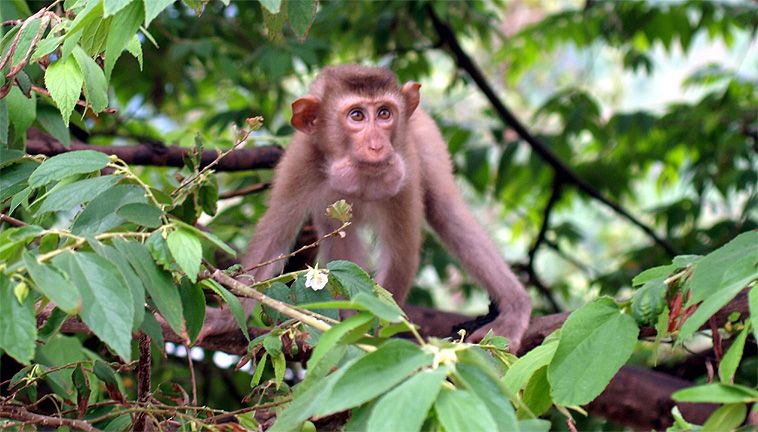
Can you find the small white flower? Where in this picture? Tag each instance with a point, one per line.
(316, 279)
(442, 356)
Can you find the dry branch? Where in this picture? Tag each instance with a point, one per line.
(159, 155)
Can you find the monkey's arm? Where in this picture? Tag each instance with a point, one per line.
(274, 234)
(447, 214)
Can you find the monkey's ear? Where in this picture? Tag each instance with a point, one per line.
(412, 96)
(304, 113)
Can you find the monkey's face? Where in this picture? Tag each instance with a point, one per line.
(362, 137)
(366, 162)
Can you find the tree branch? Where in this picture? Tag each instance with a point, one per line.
(555, 195)
(27, 417)
(159, 155)
(465, 62)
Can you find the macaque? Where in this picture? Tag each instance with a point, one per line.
(363, 138)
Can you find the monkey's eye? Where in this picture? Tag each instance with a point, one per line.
(384, 113)
(356, 115)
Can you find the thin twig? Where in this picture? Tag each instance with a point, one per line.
(11, 220)
(258, 187)
(81, 103)
(242, 139)
(193, 379)
(243, 290)
(555, 196)
(291, 254)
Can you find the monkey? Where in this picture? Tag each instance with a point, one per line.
(361, 137)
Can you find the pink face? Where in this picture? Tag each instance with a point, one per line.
(361, 142)
(371, 168)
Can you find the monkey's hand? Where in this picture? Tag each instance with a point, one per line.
(511, 323)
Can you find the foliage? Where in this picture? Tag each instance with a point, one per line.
(116, 246)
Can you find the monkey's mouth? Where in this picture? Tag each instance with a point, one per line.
(374, 168)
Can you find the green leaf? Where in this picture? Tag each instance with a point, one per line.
(107, 305)
(95, 85)
(187, 251)
(83, 391)
(100, 214)
(158, 248)
(280, 366)
(134, 47)
(272, 343)
(752, 299)
(654, 273)
(152, 328)
(334, 335)
(110, 7)
(735, 277)
(146, 215)
(64, 80)
(7, 156)
(350, 277)
(731, 359)
(259, 368)
(308, 401)
(462, 411)
(53, 284)
(21, 110)
(193, 306)
(4, 123)
(46, 46)
(733, 263)
(13, 179)
(383, 309)
(584, 361)
(18, 328)
(534, 425)
(233, 302)
(77, 193)
(521, 371)
(272, 6)
(489, 390)
(158, 283)
(374, 374)
(153, 8)
(130, 277)
(300, 14)
(648, 302)
(50, 120)
(123, 27)
(726, 418)
(537, 393)
(716, 393)
(67, 164)
(207, 236)
(91, 13)
(406, 406)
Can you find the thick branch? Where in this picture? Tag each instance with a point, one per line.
(465, 62)
(27, 417)
(159, 155)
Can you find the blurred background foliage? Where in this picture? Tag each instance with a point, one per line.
(653, 103)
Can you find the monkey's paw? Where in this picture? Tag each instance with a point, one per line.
(506, 326)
